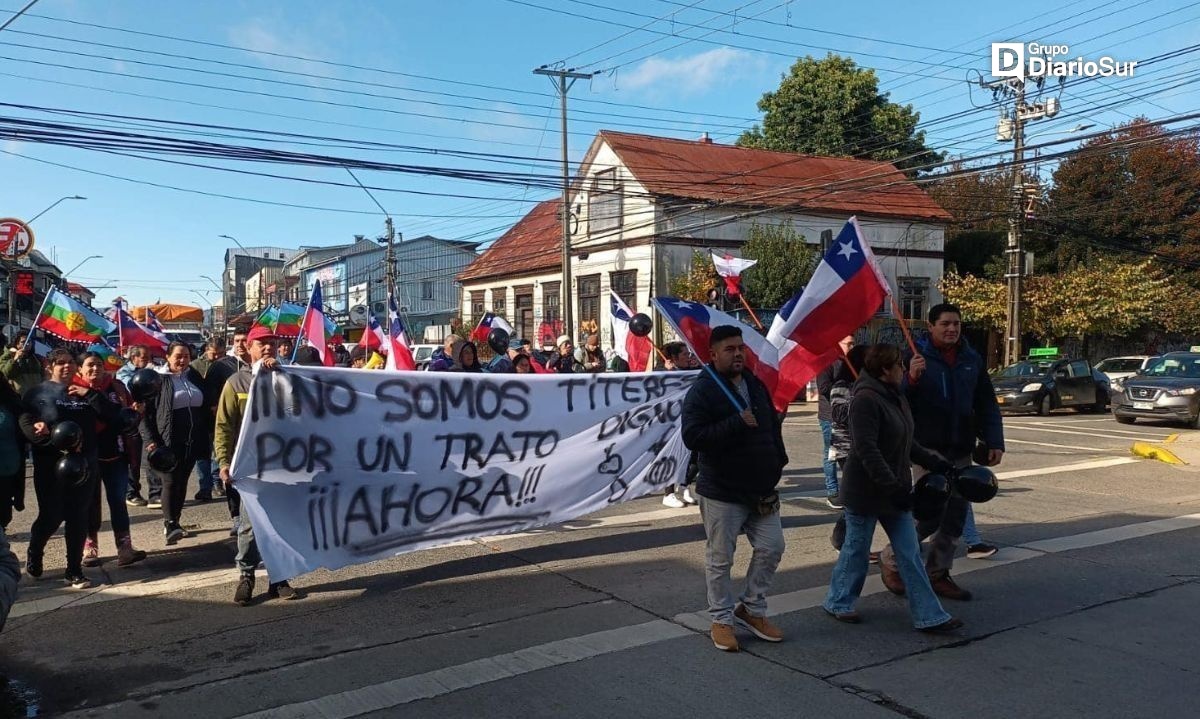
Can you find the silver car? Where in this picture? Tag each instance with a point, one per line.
(1168, 389)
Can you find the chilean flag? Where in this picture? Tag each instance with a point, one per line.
(131, 333)
(373, 337)
(633, 349)
(731, 269)
(846, 290)
(694, 323)
(400, 356)
(490, 321)
(313, 328)
(155, 327)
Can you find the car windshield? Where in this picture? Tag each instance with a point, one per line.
(1120, 364)
(1025, 369)
(1177, 366)
(423, 353)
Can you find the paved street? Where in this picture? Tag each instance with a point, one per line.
(1086, 611)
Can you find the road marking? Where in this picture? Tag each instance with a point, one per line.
(447, 680)
(439, 682)
(1031, 428)
(67, 598)
(1009, 440)
(1109, 430)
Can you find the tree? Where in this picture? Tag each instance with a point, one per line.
(980, 203)
(1106, 297)
(1132, 191)
(785, 264)
(833, 107)
(701, 277)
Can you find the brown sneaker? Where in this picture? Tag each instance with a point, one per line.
(891, 579)
(945, 587)
(723, 637)
(758, 626)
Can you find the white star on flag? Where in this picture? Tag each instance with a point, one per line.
(847, 249)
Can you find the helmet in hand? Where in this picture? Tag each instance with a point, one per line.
(72, 469)
(162, 459)
(930, 494)
(144, 384)
(976, 484)
(66, 436)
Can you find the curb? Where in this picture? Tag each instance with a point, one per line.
(1156, 451)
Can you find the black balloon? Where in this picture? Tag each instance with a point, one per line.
(162, 459)
(71, 469)
(976, 484)
(497, 339)
(641, 325)
(144, 384)
(66, 436)
(127, 420)
(930, 494)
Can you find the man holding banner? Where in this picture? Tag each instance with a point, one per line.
(231, 409)
(729, 420)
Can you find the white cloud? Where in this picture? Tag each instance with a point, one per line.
(695, 73)
(264, 36)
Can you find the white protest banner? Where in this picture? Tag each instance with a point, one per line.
(340, 466)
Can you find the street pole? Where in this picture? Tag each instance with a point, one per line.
(563, 80)
(1015, 249)
(390, 259)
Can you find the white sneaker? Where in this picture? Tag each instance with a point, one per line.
(670, 500)
(687, 497)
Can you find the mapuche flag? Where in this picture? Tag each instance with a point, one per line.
(67, 318)
(287, 322)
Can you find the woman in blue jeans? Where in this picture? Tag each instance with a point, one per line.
(877, 487)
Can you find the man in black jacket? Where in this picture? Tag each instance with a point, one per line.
(729, 421)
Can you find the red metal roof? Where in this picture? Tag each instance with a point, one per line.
(532, 245)
(744, 177)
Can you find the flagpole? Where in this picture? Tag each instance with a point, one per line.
(903, 325)
(303, 325)
(33, 325)
(753, 316)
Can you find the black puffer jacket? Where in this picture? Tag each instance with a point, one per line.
(877, 478)
(737, 463)
(191, 439)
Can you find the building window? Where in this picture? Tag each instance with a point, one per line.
(914, 297)
(499, 297)
(427, 290)
(551, 301)
(604, 202)
(477, 303)
(589, 301)
(624, 284)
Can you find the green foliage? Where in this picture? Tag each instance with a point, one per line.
(833, 107)
(694, 284)
(785, 264)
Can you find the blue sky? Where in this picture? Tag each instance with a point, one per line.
(687, 68)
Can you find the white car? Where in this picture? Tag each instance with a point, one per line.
(422, 354)
(1119, 369)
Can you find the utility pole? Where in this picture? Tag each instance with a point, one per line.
(1011, 127)
(390, 259)
(563, 81)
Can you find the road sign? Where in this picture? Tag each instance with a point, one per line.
(24, 284)
(16, 239)
(1043, 351)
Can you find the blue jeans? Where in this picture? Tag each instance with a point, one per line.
(723, 522)
(970, 535)
(853, 563)
(114, 483)
(206, 474)
(829, 465)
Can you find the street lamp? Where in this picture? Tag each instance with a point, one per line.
(51, 207)
(81, 263)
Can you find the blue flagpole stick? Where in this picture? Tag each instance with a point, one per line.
(33, 325)
(303, 323)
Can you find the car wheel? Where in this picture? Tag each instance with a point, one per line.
(1195, 421)
(1125, 420)
(1044, 406)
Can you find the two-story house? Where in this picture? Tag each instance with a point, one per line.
(641, 205)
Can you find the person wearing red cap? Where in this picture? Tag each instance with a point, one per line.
(230, 410)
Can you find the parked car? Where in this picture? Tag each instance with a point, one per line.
(1167, 389)
(422, 354)
(1042, 385)
(1118, 369)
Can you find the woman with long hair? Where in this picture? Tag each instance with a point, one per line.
(179, 419)
(113, 461)
(876, 487)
